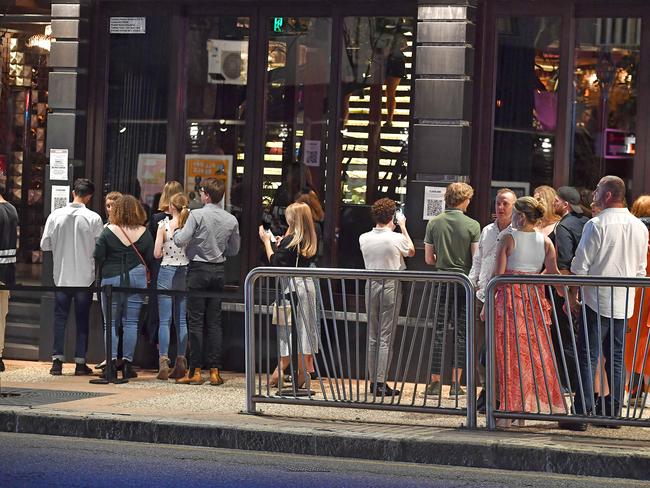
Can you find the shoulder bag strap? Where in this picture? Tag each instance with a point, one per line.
(144, 263)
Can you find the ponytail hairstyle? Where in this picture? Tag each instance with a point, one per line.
(301, 227)
(180, 202)
(532, 209)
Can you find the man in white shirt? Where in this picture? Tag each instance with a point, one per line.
(482, 271)
(71, 233)
(615, 244)
(383, 249)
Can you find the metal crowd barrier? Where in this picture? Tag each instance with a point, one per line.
(546, 364)
(308, 341)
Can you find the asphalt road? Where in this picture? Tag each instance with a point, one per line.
(33, 460)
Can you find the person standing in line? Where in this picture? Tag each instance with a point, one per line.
(546, 196)
(450, 242)
(482, 271)
(613, 244)
(172, 276)
(383, 249)
(123, 253)
(566, 237)
(526, 375)
(210, 234)
(71, 233)
(8, 241)
(109, 203)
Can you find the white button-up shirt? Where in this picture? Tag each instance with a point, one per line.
(614, 243)
(485, 258)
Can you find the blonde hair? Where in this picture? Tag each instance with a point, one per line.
(301, 226)
(170, 189)
(112, 196)
(546, 197)
(457, 193)
(531, 208)
(641, 206)
(180, 203)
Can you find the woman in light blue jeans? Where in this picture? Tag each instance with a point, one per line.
(171, 276)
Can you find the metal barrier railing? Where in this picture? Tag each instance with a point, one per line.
(547, 361)
(360, 339)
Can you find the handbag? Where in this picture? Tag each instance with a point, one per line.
(144, 263)
(281, 312)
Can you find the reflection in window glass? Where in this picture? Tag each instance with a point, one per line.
(528, 66)
(295, 150)
(216, 108)
(136, 132)
(605, 80)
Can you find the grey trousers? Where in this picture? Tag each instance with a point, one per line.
(383, 301)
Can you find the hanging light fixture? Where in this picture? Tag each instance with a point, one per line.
(44, 41)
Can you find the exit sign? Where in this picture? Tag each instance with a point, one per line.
(278, 24)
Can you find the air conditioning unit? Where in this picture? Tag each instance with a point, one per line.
(227, 61)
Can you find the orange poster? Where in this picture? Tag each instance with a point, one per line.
(200, 166)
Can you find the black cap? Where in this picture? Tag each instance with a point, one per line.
(571, 196)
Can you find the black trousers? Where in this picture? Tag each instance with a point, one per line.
(204, 315)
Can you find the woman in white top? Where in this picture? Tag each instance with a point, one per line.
(526, 371)
(171, 276)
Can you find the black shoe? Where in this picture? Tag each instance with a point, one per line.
(383, 389)
(2, 365)
(113, 375)
(57, 367)
(127, 370)
(82, 370)
(574, 426)
(480, 402)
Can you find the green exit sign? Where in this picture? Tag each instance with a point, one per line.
(278, 24)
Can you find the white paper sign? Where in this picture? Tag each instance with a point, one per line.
(60, 196)
(311, 153)
(434, 201)
(58, 164)
(127, 25)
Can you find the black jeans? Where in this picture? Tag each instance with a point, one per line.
(82, 302)
(204, 315)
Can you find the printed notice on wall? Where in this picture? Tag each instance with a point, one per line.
(434, 201)
(60, 196)
(127, 25)
(311, 153)
(58, 164)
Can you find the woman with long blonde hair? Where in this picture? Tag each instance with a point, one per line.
(172, 274)
(297, 249)
(546, 196)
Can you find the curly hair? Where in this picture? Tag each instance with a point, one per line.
(382, 210)
(128, 211)
(641, 206)
(457, 193)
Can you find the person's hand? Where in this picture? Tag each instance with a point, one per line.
(264, 236)
(401, 219)
(482, 314)
(278, 239)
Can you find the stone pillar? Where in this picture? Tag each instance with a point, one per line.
(444, 63)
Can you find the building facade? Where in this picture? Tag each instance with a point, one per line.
(355, 100)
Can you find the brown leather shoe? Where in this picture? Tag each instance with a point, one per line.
(191, 378)
(215, 377)
(163, 368)
(180, 368)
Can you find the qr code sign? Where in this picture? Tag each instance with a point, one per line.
(58, 202)
(434, 207)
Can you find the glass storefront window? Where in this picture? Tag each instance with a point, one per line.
(525, 121)
(375, 87)
(605, 80)
(138, 93)
(216, 107)
(297, 115)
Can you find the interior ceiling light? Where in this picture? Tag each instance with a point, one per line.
(44, 41)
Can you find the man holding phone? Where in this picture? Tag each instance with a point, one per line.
(383, 249)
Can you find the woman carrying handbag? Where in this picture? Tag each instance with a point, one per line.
(124, 252)
(297, 248)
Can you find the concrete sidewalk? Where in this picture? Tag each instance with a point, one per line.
(148, 410)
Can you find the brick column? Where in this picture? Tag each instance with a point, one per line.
(440, 148)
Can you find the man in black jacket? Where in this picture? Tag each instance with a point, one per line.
(8, 238)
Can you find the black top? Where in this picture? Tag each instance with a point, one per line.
(566, 237)
(154, 221)
(285, 256)
(8, 238)
(114, 258)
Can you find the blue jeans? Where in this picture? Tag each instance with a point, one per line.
(128, 308)
(172, 278)
(588, 337)
(62, 302)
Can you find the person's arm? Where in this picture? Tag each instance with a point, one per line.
(410, 247)
(429, 254)
(160, 240)
(234, 241)
(183, 236)
(100, 250)
(588, 247)
(642, 265)
(473, 247)
(477, 259)
(147, 252)
(46, 240)
(266, 242)
(550, 259)
(503, 249)
(476, 237)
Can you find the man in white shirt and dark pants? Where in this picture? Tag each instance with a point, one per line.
(613, 244)
(71, 233)
(383, 249)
